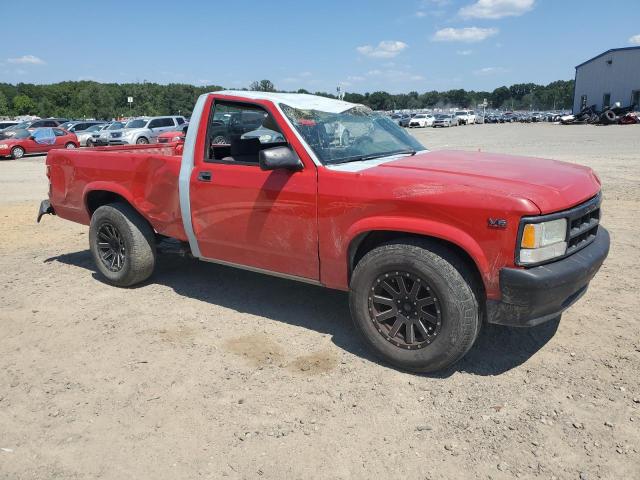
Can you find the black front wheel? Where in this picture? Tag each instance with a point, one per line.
(122, 244)
(415, 304)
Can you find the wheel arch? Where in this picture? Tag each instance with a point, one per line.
(465, 247)
(97, 195)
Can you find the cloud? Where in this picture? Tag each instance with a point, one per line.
(635, 40)
(468, 35)
(394, 74)
(27, 60)
(495, 9)
(490, 71)
(385, 49)
(464, 52)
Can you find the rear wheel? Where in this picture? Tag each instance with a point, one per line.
(70, 145)
(122, 244)
(142, 141)
(17, 152)
(415, 305)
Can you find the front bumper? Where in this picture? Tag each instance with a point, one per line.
(535, 295)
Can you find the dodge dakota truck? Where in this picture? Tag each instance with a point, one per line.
(429, 244)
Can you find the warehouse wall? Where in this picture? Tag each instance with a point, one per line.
(597, 77)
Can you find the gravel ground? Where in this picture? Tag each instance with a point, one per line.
(210, 372)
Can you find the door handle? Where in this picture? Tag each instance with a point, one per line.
(205, 176)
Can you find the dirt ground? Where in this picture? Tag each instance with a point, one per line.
(208, 372)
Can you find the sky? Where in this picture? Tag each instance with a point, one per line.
(396, 46)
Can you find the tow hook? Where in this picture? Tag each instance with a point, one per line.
(45, 209)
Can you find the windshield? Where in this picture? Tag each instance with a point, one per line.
(19, 126)
(115, 126)
(94, 128)
(353, 135)
(139, 123)
(461, 113)
(21, 134)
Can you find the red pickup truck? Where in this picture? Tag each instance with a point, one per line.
(429, 244)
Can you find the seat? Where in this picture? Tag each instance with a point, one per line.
(244, 150)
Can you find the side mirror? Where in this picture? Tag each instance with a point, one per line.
(31, 137)
(276, 158)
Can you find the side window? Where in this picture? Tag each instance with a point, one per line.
(180, 120)
(237, 132)
(58, 133)
(161, 122)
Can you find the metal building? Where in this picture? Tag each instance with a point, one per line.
(612, 76)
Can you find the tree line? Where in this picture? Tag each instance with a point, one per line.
(88, 99)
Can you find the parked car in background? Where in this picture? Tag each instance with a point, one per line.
(444, 120)
(77, 126)
(141, 131)
(85, 136)
(7, 123)
(421, 120)
(40, 140)
(38, 123)
(174, 136)
(404, 121)
(95, 139)
(466, 117)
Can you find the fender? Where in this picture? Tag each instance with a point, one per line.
(424, 227)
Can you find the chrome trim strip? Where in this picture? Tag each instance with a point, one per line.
(186, 167)
(263, 271)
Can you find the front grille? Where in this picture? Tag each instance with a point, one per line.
(163, 140)
(583, 224)
(116, 135)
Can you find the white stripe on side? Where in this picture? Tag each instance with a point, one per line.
(186, 167)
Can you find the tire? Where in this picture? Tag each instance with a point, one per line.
(70, 146)
(17, 153)
(136, 241)
(220, 140)
(142, 141)
(452, 319)
(89, 144)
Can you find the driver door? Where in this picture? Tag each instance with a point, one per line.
(41, 141)
(244, 215)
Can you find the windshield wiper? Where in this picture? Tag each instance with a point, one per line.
(361, 158)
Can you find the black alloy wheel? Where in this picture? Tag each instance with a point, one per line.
(111, 247)
(405, 310)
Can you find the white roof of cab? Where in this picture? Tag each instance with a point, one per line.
(301, 101)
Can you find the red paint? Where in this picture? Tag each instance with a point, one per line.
(31, 146)
(302, 223)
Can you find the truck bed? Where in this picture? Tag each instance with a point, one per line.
(144, 175)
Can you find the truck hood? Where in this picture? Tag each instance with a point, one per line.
(551, 185)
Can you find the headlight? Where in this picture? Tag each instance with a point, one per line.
(543, 241)
(4, 145)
